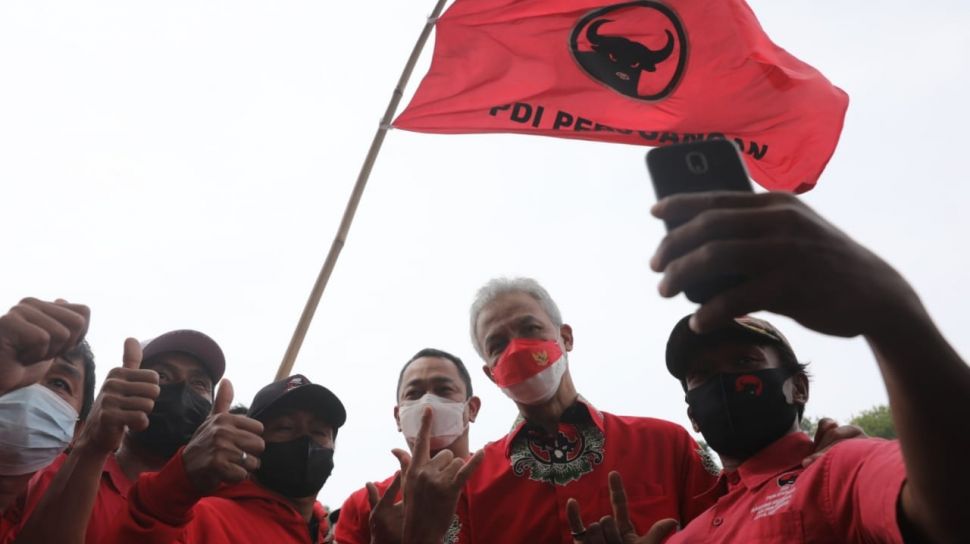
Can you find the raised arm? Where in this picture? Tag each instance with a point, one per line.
(32, 334)
(224, 450)
(126, 399)
(797, 264)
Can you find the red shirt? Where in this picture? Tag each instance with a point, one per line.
(164, 507)
(111, 499)
(849, 495)
(353, 527)
(5, 527)
(519, 493)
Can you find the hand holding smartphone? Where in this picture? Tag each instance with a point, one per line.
(711, 165)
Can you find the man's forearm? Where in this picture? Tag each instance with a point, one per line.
(928, 383)
(63, 512)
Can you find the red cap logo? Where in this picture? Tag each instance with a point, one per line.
(296, 381)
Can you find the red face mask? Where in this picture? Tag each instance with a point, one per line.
(529, 370)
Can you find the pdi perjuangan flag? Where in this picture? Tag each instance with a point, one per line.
(644, 72)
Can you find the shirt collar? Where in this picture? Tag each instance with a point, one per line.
(323, 519)
(716, 491)
(782, 455)
(116, 477)
(581, 410)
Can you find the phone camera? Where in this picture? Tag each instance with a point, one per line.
(696, 162)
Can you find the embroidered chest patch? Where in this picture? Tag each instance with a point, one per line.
(572, 453)
(454, 530)
(775, 502)
(707, 461)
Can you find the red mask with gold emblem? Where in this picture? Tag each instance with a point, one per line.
(529, 370)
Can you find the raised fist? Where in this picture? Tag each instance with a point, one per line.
(32, 334)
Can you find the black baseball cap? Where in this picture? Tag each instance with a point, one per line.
(683, 341)
(297, 392)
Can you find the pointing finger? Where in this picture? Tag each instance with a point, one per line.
(422, 444)
(223, 398)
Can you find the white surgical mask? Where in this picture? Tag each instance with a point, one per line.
(36, 425)
(447, 421)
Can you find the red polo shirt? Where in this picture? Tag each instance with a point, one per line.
(519, 493)
(849, 495)
(353, 527)
(164, 507)
(112, 498)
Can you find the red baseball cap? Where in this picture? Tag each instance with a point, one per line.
(195, 343)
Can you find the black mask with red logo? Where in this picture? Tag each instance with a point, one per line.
(741, 413)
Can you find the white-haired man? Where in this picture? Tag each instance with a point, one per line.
(561, 448)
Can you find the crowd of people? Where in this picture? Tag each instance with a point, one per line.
(161, 455)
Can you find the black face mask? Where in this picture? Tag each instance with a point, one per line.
(295, 469)
(178, 412)
(739, 414)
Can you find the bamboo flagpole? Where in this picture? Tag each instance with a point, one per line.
(286, 366)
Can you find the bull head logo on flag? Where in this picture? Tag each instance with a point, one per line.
(615, 45)
(647, 72)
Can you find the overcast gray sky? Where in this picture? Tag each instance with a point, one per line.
(185, 164)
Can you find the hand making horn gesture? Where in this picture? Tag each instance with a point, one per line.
(225, 448)
(32, 334)
(126, 398)
(618, 528)
(432, 486)
(386, 519)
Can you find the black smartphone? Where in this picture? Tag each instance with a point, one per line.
(711, 165)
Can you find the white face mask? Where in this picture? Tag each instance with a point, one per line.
(447, 419)
(36, 425)
(539, 388)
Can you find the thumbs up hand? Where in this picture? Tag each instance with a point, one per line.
(225, 448)
(126, 398)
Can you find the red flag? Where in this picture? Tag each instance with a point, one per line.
(643, 72)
